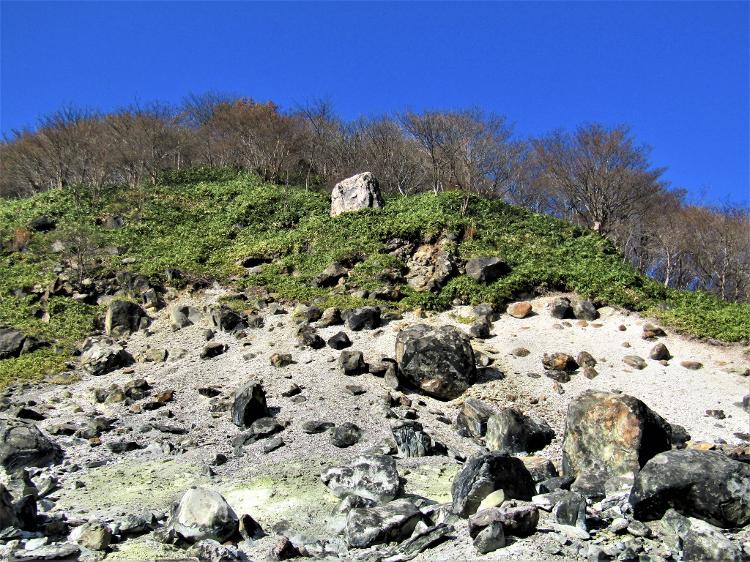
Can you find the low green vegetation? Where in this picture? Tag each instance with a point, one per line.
(205, 226)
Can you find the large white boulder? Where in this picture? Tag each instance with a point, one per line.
(357, 192)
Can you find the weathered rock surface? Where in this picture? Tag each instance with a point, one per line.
(360, 191)
(511, 431)
(697, 539)
(585, 310)
(183, 316)
(430, 268)
(560, 308)
(411, 439)
(23, 445)
(102, 356)
(373, 477)
(394, 521)
(203, 514)
(13, 343)
(124, 318)
(472, 419)
(486, 269)
(703, 484)
(439, 361)
(483, 474)
(608, 435)
(519, 521)
(249, 405)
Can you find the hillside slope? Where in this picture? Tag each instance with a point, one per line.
(210, 228)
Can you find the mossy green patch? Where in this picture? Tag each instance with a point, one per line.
(204, 224)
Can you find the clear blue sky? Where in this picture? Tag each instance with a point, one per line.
(677, 72)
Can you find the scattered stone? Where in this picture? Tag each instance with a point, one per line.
(360, 191)
(93, 536)
(480, 329)
(281, 359)
(560, 308)
(540, 468)
(339, 341)
(486, 269)
(352, 363)
(331, 275)
(518, 521)
(558, 377)
(249, 405)
(183, 316)
(489, 539)
(590, 373)
(608, 434)
(718, 414)
(330, 317)
(308, 337)
(651, 332)
(284, 549)
(703, 484)
(483, 474)
(373, 477)
(411, 440)
(697, 539)
(634, 361)
(225, 319)
(570, 509)
(365, 318)
(316, 426)
(511, 431)
(345, 435)
(102, 356)
(559, 362)
(660, 352)
(213, 349)
(520, 352)
(439, 361)
(519, 309)
(585, 359)
(585, 310)
(691, 365)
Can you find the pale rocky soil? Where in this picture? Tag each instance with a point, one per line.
(281, 489)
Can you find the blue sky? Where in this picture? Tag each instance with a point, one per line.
(677, 72)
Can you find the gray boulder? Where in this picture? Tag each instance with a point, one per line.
(411, 440)
(486, 269)
(585, 310)
(182, 316)
(439, 361)
(697, 539)
(518, 521)
(23, 445)
(607, 435)
(360, 191)
(483, 474)
(225, 319)
(364, 318)
(560, 308)
(511, 431)
(203, 514)
(373, 477)
(124, 318)
(13, 343)
(703, 484)
(351, 363)
(102, 356)
(394, 521)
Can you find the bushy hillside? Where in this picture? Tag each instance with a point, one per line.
(205, 229)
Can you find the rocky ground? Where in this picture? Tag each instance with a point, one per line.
(135, 435)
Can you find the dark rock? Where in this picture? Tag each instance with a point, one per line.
(517, 521)
(394, 521)
(264, 427)
(250, 529)
(124, 318)
(439, 361)
(23, 445)
(486, 269)
(281, 360)
(283, 549)
(585, 310)
(373, 477)
(555, 483)
(308, 337)
(472, 419)
(697, 539)
(651, 332)
(213, 349)
(11, 342)
(225, 319)
(339, 341)
(249, 405)
(272, 444)
(561, 308)
(352, 363)
(511, 431)
(558, 376)
(345, 435)
(7, 512)
(703, 484)
(316, 426)
(331, 275)
(539, 467)
(365, 318)
(480, 329)
(43, 224)
(660, 352)
(306, 314)
(485, 473)
(422, 540)
(570, 509)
